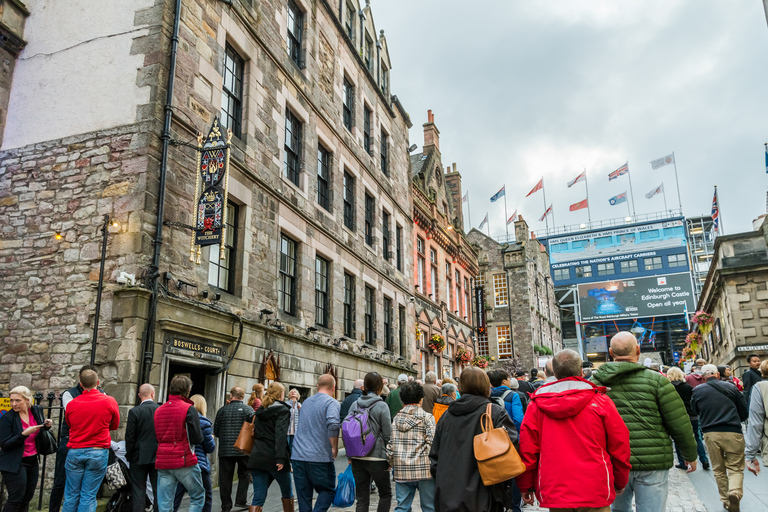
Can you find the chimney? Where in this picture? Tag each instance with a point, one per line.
(431, 133)
(453, 188)
(521, 230)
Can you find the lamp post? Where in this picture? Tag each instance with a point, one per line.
(104, 235)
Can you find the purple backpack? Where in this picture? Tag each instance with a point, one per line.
(357, 434)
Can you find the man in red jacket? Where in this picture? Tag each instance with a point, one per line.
(177, 427)
(573, 443)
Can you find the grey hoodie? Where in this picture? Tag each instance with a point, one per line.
(380, 420)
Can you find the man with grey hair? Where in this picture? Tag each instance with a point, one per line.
(653, 411)
(141, 447)
(549, 371)
(448, 392)
(393, 399)
(431, 392)
(721, 410)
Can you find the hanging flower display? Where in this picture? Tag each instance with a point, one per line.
(704, 321)
(480, 362)
(463, 356)
(437, 343)
(693, 339)
(418, 332)
(688, 352)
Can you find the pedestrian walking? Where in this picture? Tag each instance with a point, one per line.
(504, 395)
(522, 383)
(721, 410)
(293, 402)
(141, 448)
(226, 427)
(374, 466)
(408, 450)
(449, 380)
(652, 411)
(270, 458)
(357, 392)
(726, 375)
(90, 417)
(19, 465)
(757, 431)
(449, 395)
(677, 377)
(458, 485)
(394, 401)
(431, 392)
(257, 394)
(208, 445)
(177, 428)
(315, 446)
(752, 376)
(573, 430)
(694, 378)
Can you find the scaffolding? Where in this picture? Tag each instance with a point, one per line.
(701, 242)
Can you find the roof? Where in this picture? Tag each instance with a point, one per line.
(417, 163)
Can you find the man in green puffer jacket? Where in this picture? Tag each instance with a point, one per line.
(652, 411)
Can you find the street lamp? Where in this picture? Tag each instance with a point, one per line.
(104, 234)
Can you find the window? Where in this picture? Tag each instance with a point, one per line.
(287, 291)
(605, 269)
(232, 91)
(399, 247)
(384, 79)
(370, 205)
(367, 129)
(368, 54)
(421, 266)
(385, 235)
(561, 274)
(504, 341)
(349, 201)
(323, 177)
(321, 291)
(349, 305)
(628, 266)
(652, 263)
(295, 25)
(500, 289)
(584, 271)
(388, 323)
(433, 256)
(350, 22)
(466, 298)
(481, 280)
(482, 343)
(433, 284)
(457, 295)
(348, 99)
(448, 292)
(677, 260)
(648, 235)
(603, 241)
(384, 154)
(292, 147)
(628, 239)
(221, 272)
(401, 331)
(370, 315)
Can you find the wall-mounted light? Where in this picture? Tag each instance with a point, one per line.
(58, 236)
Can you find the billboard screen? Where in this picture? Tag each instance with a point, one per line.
(634, 298)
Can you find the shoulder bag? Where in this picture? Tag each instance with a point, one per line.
(497, 458)
(244, 441)
(45, 442)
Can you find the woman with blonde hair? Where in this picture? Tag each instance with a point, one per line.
(257, 394)
(293, 402)
(677, 377)
(201, 451)
(270, 457)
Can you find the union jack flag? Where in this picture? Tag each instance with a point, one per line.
(624, 169)
(715, 214)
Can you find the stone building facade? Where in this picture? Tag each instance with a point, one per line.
(735, 293)
(318, 261)
(445, 265)
(522, 314)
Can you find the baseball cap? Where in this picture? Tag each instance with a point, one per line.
(402, 378)
(709, 368)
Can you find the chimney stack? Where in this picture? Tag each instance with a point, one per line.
(431, 133)
(521, 230)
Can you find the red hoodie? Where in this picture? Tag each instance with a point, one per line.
(575, 446)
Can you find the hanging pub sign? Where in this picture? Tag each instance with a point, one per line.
(480, 310)
(211, 189)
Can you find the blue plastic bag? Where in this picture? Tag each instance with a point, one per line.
(345, 490)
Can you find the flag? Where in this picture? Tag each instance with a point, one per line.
(539, 186)
(580, 177)
(621, 171)
(495, 197)
(485, 221)
(511, 219)
(465, 198)
(579, 206)
(618, 199)
(766, 158)
(661, 162)
(657, 190)
(715, 214)
(548, 212)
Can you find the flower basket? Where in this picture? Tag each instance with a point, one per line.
(463, 356)
(693, 339)
(437, 343)
(704, 321)
(480, 362)
(418, 332)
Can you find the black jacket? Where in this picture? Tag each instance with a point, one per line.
(11, 440)
(347, 403)
(229, 421)
(458, 486)
(525, 386)
(140, 439)
(270, 431)
(749, 378)
(720, 406)
(685, 391)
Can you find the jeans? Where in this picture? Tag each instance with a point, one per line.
(726, 449)
(290, 443)
(263, 479)
(85, 470)
(139, 474)
(364, 471)
(650, 490)
(180, 490)
(227, 476)
(314, 476)
(405, 491)
(59, 477)
(699, 446)
(21, 485)
(191, 478)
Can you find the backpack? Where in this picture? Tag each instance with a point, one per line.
(438, 409)
(500, 399)
(357, 433)
(497, 458)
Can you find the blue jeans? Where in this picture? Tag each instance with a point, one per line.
(405, 491)
(85, 469)
(192, 480)
(650, 490)
(263, 479)
(181, 490)
(314, 476)
(699, 446)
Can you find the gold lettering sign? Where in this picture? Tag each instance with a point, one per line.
(197, 347)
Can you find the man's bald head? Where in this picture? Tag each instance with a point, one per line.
(624, 347)
(326, 382)
(548, 369)
(237, 393)
(147, 391)
(358, 384)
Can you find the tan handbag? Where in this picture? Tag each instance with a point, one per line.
(497, 458)
(244, 441)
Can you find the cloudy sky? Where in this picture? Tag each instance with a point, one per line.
(525, 89)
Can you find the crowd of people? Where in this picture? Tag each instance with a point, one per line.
(594, 444)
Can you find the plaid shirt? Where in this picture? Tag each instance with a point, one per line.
(408, 450)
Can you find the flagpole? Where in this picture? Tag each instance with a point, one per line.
(628, 212)
(506, 218)
(664, 193)
(488, 226)
(631, 194)
(589, 211)
(677, 183)
(469, 213)
(720, 229)
(546, 217)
